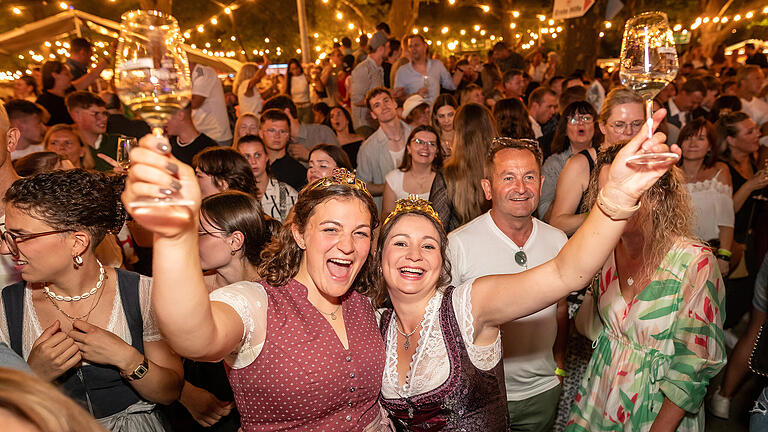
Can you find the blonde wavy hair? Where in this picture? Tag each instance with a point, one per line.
(666, 213)
(87, 161)
(39, 403)
(475, 129)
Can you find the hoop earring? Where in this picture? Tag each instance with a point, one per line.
(232, 252)
(78, 260)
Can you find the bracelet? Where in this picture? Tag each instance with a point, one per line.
(613, 210)
(724, 252)
(725, 258)
(560, 372)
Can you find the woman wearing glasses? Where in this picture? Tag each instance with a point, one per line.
(86, 326)
(423, 158)
(576, 132)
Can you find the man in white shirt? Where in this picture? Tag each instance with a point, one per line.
(508, 239)
(27, 117)
(750, 79)
(9, 137)
(681, 106)
(209, 110)
(542, 105)
(422, 75)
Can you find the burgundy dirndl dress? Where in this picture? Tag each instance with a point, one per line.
(303, 379)
(470, 399)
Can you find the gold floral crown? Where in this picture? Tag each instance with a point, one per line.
(413, 203)
(340, 176)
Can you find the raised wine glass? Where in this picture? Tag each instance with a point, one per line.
(648, 64)
(152, 78)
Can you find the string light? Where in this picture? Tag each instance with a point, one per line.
(17, 11)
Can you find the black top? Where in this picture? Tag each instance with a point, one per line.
(186, 152)
(288, 170)
(745, 217)
(351, 150)
(759, 59)
(122, 125)
(56, 108)
(387, 66)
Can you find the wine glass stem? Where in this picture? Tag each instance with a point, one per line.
(649, 116)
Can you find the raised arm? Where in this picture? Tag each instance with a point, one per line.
(179, 292)
(501, 298)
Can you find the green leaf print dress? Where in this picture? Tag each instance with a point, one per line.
(666, 342)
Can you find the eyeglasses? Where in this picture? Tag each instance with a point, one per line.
(521, 258)
(12, 240)
(422, 142)
(202, 232)
(581, 119)
(621, 126)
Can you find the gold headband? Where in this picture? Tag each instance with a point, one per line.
(413, 203)
(340, 176)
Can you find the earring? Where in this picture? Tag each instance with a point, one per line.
(78, 260)
(232, 252)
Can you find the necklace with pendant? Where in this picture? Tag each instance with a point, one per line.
(407, 336)
(332, 314)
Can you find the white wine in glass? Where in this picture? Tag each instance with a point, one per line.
(648, 64)
(152, 78)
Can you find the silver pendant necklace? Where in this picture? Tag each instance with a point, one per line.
(407, 336)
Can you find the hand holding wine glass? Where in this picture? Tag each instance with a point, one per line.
(152, 78)
(648, 64)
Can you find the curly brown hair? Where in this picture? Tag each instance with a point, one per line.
(666, 208)
(76, 199)
(379, 294)
(280, 260)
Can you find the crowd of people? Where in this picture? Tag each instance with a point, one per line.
(387, 240)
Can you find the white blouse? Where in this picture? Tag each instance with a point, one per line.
(713, 204)
(117, 324)
(430, 366)
(395, 179)
(249, 300)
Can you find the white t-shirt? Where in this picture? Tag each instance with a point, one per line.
(18, 154)
(299, 89)
(249, 104)
(757, 109)
(480, 248)
(211, 118)
(395, 180)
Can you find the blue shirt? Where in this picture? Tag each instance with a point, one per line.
(437, 76)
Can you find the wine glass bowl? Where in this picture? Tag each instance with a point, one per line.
(152, 71)
(648, 63)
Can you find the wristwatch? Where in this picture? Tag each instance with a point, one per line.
(139, 372)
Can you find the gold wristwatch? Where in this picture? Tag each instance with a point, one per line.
(140, 371)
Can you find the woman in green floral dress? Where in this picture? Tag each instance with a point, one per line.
(656, 316)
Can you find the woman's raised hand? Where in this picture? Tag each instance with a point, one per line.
(627, 182)
(156, 174)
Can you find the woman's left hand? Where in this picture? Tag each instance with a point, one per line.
(626, 183)
(101, 346)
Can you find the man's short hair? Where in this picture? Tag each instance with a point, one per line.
(78, 44)
(394, 45)
(500, 46)
(363, 39)
(508, 75)
(571, 95)
(275, 115)
(694, 85)
(745, 70)
(20, 108)
(346, 42)
(83, 99)
(503, 143)
(412, 36)
(375, 92)
(537, 95)
(384, 27)
(282, 102)
(462, 62)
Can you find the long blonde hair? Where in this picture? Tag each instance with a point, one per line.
(475, 128)
(236, 134)
(246, 72)
(666, 210)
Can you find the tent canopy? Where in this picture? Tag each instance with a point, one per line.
(71, 22)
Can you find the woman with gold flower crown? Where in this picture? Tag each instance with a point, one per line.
(303, 346)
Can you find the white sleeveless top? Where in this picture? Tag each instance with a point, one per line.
(395, 180)
(713, 204)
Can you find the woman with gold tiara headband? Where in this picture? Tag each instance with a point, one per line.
(303, 345)
(443, 368)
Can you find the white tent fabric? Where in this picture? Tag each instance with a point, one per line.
(70, 23)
